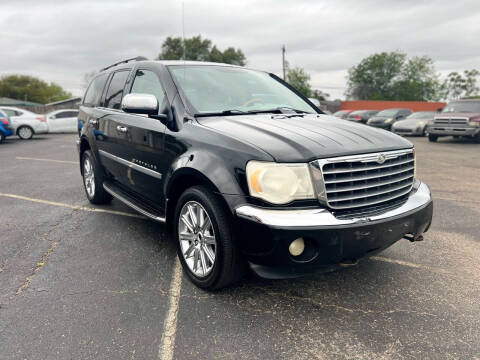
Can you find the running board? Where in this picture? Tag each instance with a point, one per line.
(134, 204)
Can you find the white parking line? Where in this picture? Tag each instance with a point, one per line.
(409, 264)
(167, 345)
(75, 207)
(50, 160)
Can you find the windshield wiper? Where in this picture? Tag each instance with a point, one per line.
(220, 113)
(279, 110)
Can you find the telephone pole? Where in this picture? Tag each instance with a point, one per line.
(283, 64)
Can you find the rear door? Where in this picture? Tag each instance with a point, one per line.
(111, 136)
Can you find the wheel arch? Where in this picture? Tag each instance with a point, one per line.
(84, 145)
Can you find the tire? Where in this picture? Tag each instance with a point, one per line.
(2, 137)
(93, 180)
(432, 138)
(191, 241)
(25, 132)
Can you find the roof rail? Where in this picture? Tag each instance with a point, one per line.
(138, 58)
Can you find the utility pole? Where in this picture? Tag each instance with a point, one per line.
(283, 64)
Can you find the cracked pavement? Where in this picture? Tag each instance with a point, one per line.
(78, 284)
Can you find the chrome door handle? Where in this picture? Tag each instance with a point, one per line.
(122, 129)
(93, 122)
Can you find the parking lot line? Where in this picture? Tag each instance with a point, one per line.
(167, 345)
(409, 264)
(75, 207)
(50, 160)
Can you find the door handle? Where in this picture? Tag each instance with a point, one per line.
(122, 129)
(93, 122)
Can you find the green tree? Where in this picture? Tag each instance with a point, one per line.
(457, 85)
(199, 49)
(391, 76)
(300, 80)
(23, 87)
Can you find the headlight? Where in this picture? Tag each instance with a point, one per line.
(388, 121)
(421, 123)
(279, 183)
(474, 123)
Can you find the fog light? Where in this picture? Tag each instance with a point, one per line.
(296, 247)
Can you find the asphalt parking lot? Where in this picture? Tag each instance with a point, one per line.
(78, 282)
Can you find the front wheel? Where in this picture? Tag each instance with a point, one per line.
(93, 180)
(432, 138)
(25, 132)
(205, 242)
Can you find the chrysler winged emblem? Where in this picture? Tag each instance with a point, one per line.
(381, 159)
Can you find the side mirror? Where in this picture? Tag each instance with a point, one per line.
(140, 104)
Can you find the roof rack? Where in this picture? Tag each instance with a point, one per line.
(138, 58)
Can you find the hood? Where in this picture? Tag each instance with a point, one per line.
(305, 138)
(411, 122)
(469, 116)
(380, 118)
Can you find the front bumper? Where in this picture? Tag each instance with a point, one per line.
(381, 125)
(265, 235)
(408, 131)
(453, 130)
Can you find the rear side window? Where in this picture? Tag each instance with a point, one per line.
(147, 82)
(115, 90)
(94, 91)
(66, 114)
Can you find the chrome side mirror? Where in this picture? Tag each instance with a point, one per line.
(140, 104)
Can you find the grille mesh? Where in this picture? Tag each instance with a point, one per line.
(353, 183)
(450, 121)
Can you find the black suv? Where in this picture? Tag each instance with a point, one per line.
(245, 170)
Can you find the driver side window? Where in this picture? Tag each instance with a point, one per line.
(147, 82)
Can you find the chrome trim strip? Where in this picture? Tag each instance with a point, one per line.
(365, 157)
(369, 203)
(130, 164)
(374, 176)
(133, 206)
(373, 193)
(351, 188)
(321, 217)
(329, 172)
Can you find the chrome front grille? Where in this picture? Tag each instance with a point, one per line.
(450, 121)
(365, 180)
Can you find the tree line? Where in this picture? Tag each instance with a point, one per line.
(380, 76)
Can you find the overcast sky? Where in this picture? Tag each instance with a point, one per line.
(60, 40)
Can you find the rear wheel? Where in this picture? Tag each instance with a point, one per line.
(93, 180)
(25, 132)
(205, 243)
(432, 138)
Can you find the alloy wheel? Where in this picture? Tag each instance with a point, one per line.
(89, 177)
(25, 132)
(197, 239)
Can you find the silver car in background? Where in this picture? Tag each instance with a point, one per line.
(26, 123)
(414, 124)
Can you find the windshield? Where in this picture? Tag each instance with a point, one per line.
(463, 107)
(389, 112)
(422, 115)
(217, 89)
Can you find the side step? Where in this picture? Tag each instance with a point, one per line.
(135, 204)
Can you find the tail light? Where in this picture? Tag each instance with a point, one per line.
(4, 121)
(41, 118)
(358, 117)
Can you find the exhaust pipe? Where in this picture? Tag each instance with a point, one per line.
(412, 238)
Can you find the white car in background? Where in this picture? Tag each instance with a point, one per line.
(25, 123)
(64, 120)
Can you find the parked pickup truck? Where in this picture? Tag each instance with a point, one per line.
(245, 171)
(458, 118)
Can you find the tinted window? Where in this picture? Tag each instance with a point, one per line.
(115, 90)
(94, 91)
(10, 112)
(147, 82)
(66, 114)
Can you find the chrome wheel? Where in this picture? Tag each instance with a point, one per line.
(197, 238)
(25, 132)
(88, 177)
